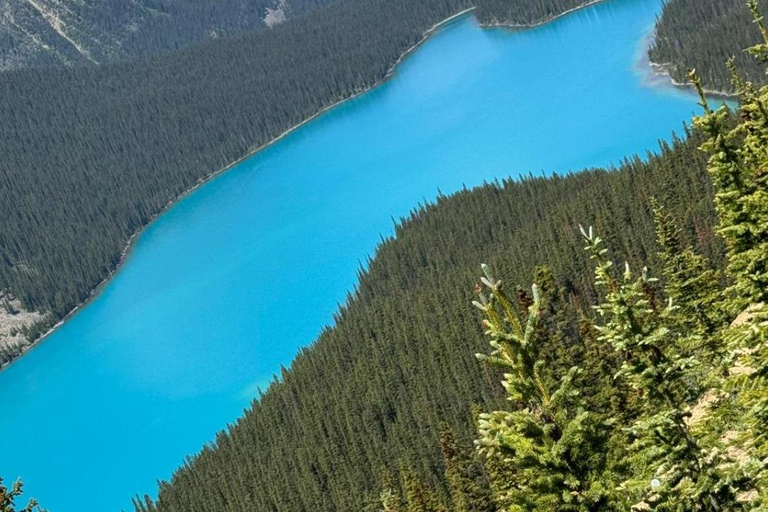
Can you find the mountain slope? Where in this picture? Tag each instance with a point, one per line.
(36, 33)
(92, 153)
(703, 34)
(375, 388)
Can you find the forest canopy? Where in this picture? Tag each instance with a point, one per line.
(92, 153)
(704, 34)
(377, 390)
(625, 389)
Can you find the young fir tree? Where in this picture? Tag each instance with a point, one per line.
(690, 282)
(738, 165)
(468, 483)
(8, 498)
(548, 452)
(418, 497)
(676, 465)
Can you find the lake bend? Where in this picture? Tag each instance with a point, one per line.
(202, 314)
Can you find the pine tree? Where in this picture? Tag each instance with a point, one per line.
(418, 497)
(549, 445)
(8, 498)
(738, 165)
(675, 463)
(690, 282)
(390, 498)
(468, 483)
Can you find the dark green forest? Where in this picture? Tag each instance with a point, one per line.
(704, 34)
(103, 31)
(375, 390)
(92, 153)
(618, 391)
(517, 14)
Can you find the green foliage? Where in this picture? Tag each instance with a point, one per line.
(738, 163)
(466, 477)
(689, 280)
(418, 497)
(167, 122)
(115, 144)
(697, 442)
(523, 14)
(390, 496)
(551, 448)
(672, 468)
(737, 166)
(8, 498)
(378, 387)
(704, 34)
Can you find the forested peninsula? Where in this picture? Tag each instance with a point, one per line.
(633, 370)
(704, 34)
(115, 144)
(398, 366)
(626, 388)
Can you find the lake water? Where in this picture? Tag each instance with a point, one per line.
(203, 312)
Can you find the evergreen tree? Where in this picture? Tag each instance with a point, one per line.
(418, 497)
(550, 446)
(737, 167)
(390, 497)
(737, 164)
(8, 498)
(689, 281)
(468, 483)
(675, 465)
(703, 34)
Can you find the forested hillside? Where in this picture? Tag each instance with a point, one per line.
(92, 153)
(374, 390)
(521, 14)
(43, 33)
(704, 34)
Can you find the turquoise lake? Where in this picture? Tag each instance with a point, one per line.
(201, 315)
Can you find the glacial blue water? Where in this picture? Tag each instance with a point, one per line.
(234, 279)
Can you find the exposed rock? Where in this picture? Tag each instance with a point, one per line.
(13, 320)
(275, 16)
(43, 33)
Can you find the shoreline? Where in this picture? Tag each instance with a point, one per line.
(662, 70)
(129, 245)
(125, 253)
(657, 74)
(523, 26)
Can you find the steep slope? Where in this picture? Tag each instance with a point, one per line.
(35, 33)
(374, 389)
(151, 128)
(516, 14)
(703, 34)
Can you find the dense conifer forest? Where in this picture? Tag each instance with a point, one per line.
(620, 391)
(92, 153)
(85, 32)
(375, 391)
(704, 34)
(505, 12)
(625, 390)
